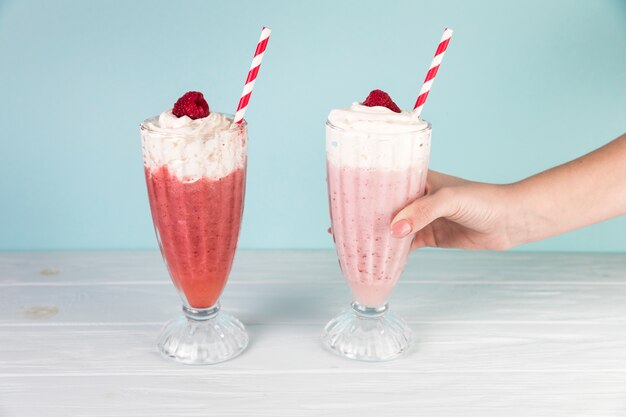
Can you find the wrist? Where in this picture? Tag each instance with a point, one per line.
(525, 221)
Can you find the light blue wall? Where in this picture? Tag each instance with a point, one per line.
(525, 85)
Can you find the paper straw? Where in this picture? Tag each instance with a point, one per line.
(432, 72)
(252, 74)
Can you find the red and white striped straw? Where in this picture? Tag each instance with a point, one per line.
(432, 72)
(252, 74)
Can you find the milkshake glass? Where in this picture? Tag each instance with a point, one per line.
(195, 173)
(377, 162)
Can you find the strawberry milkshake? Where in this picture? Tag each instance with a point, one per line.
(195, 163)
(377, 161)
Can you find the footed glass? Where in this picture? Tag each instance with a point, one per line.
(371, 177)
(196, 182)
(203, 336)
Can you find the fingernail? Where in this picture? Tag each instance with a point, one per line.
(400, 228)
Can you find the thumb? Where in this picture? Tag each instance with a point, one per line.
(421, 213)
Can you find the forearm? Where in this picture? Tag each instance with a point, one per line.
(584, 191)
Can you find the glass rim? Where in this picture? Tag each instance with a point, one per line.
(166, 132)
(356, 131)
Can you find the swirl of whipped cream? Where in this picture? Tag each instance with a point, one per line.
(167, 123)
(375, 119)
(190, 149)
(377, 138)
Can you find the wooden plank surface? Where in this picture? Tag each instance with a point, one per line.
(513, 334)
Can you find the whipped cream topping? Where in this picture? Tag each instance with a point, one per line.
(167, 123)
(375, 119)
(376, 137)
(193, 149)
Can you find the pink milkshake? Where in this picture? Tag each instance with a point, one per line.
(363, 201)
(377, 161)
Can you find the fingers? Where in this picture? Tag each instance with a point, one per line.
(420, 241)
(422, 212)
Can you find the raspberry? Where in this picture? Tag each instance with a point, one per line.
(191, 104)
(380, 98)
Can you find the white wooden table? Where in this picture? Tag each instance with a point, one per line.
(499, 334)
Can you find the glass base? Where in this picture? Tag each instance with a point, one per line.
(367, 334)
(203, 337)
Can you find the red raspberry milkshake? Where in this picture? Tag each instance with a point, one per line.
(195, 164)
(198, 225)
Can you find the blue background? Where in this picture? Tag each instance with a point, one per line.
(525, 85)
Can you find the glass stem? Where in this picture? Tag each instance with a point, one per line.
(200, 314)
(369, 312)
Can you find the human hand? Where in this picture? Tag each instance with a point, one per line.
(456, 213)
